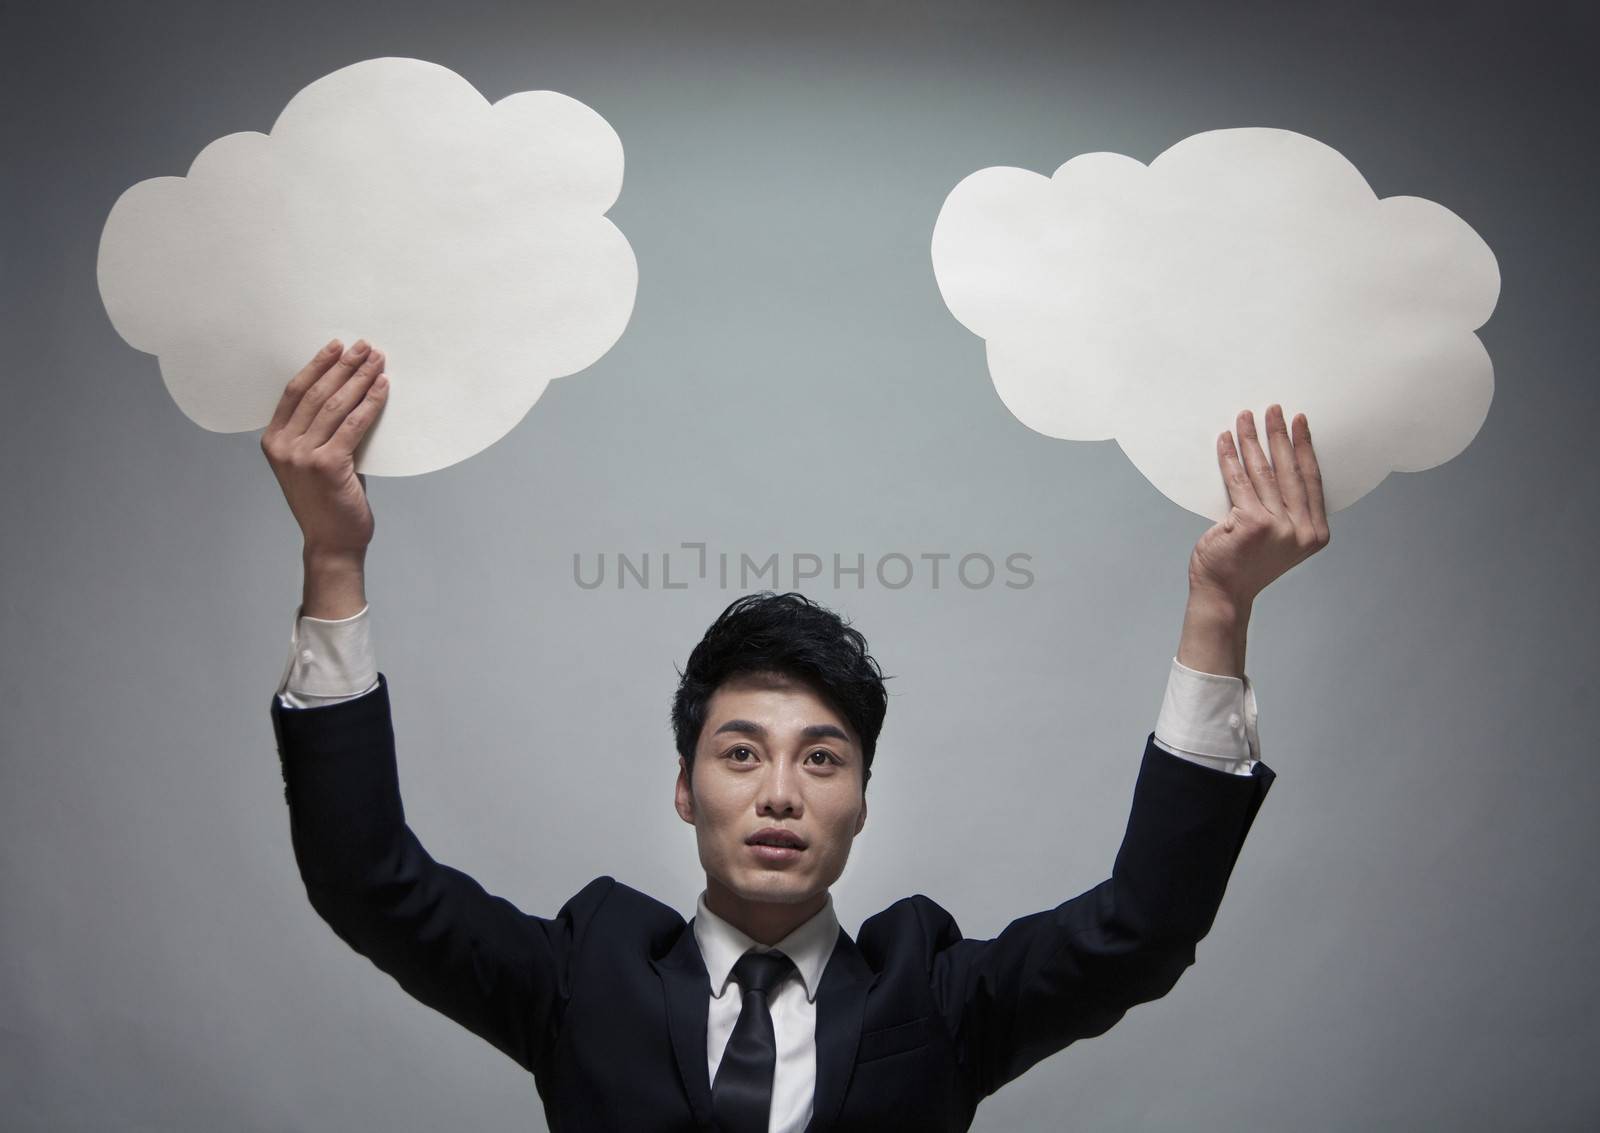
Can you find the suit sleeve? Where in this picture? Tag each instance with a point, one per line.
(501, 973)
(1071, 972)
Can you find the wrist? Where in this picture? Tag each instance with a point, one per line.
(333, 559)
(1214, 605)
(1214, 633)
(335, 584)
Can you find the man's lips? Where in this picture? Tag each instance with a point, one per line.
(776, 836)
(774, 855)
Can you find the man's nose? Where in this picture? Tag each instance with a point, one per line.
(779, 789)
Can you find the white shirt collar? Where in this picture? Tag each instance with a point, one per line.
(809, 946)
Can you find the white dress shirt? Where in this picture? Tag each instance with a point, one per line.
(1206, 718)
(792, 1002)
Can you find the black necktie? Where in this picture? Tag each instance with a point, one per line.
(741, 1097)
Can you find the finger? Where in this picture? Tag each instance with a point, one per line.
(1256, 463)
(323, 388)
(303, 381)
(344, 399)
(1311, 473)
(1284, 468)
(359, 420)
(1240, 492)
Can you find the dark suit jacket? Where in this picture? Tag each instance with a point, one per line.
(606, 1002)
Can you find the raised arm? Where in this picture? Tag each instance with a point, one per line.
(1054, 977)
(1070, 972)
(502, 974)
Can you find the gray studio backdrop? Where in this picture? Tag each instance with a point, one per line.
(1407, 940)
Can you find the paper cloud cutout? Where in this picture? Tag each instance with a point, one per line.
(1242, 267)
(391, 201)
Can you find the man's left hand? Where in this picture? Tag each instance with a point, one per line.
(1277, 519)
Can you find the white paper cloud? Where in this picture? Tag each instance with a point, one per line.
(391, 201)
(1240, 268)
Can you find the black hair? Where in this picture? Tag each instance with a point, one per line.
(790, 636)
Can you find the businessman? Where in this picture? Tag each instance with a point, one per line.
(762, 1015)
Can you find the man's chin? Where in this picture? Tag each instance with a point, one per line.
(773, 887)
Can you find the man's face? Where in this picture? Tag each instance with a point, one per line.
(772, 756)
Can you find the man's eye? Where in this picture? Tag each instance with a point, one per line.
(733, 754)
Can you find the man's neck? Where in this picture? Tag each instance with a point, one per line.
(765, 922)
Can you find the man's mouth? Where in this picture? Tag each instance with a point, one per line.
(773, 855)
(773, 836)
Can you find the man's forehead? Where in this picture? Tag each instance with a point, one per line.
(776, 699)
(773, 687)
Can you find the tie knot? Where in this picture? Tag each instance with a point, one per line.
(759, 971)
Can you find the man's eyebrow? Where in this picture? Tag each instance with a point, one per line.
(809, 732)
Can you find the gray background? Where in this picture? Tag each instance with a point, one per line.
(1407, 940)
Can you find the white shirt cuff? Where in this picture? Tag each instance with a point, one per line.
(329, 661)
(1209, 719)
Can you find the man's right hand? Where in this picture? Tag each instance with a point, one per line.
(325, 411)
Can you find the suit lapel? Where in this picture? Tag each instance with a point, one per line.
(841, 1003)
(687, 988)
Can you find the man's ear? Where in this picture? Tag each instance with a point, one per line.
(861, 820)
(683, 792)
